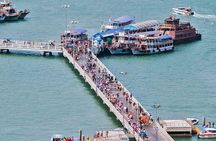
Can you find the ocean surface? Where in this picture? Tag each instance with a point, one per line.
(42, 96)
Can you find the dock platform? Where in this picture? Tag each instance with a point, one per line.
(177, 127)
(133, 116)
(112, 135)
(30, 47)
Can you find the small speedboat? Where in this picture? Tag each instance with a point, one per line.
(194, 121)
(208, 133)
(186, 11)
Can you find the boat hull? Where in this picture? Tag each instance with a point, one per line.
(2, 17)
(187, 40)
(118, 51)
(207, 136)
(152, 51)
(11, 17)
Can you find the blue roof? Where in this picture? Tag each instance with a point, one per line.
(77, 31)
(123, 19)
(107, 33)
(142, 25)
(130, 27)
(164, 37)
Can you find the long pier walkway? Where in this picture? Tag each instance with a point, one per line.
(120, 101)
(29, 47)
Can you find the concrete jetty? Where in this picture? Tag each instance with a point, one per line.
(133, 116)
(29, 47)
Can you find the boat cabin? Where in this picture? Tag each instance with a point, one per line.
(118, 23)
(139, 27)
(5, 4)
(74, 35)
(171, 20)
(10, 10)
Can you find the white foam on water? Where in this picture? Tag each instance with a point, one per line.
(204, 16)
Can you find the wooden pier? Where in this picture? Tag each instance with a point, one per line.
(95, 73)
(29, 47)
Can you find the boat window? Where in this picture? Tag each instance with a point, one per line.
(212, 131)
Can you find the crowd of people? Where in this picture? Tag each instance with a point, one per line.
(121, 99)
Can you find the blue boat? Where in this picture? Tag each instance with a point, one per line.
(117, 23)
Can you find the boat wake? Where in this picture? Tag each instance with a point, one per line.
(204, 16)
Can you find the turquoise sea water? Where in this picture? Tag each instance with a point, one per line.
(44, 96)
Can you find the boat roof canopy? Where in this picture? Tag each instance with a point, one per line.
(142, 25)
(123, 19)
(164, 37)
(108, 33)
(77, 31)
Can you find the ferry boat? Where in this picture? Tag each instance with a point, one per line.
(70, 37)
(57, 137)
(140, 44)
(152, 45)
(186, 11)
(11, 13)
(102, 39)
(180, 32)
(117, 23)
(119, 45)
(208, 133)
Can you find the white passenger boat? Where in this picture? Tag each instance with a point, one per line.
(117, 23)
(186, 11)
(208, 133)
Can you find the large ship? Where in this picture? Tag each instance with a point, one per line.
(140, 44)
(180, 32)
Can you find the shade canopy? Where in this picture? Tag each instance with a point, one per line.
(123, 19)
(108, 33)
(142, 25)
(77, 31)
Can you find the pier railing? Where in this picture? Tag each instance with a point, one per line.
(119, 116)
(29, 45)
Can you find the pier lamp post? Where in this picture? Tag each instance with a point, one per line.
(156, 107)
(66, 6)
